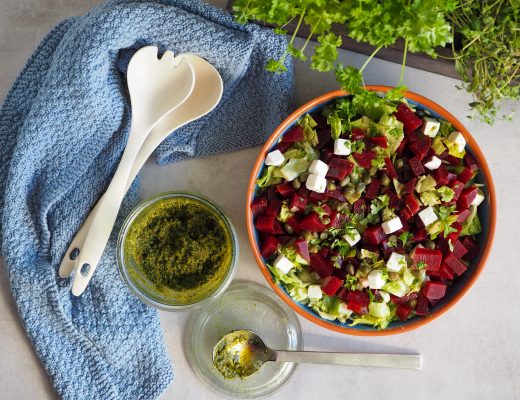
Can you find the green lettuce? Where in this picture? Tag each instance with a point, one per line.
(307, 123)
(472, 225)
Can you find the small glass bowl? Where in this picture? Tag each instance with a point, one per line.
(244, 305)
(143, 288)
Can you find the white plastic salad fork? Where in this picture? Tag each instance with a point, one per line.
(156, 86)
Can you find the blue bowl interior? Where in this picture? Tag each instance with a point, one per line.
(484, 215)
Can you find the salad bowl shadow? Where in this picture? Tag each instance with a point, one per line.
(487, 213)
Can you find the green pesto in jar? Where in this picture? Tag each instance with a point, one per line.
(182, 247)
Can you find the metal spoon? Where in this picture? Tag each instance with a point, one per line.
(242, 353)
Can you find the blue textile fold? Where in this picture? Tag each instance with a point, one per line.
(63, 127)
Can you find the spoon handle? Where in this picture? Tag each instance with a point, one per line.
(408, 361)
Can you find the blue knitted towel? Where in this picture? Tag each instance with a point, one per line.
(62, 131)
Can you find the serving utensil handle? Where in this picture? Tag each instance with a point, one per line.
(406, 361)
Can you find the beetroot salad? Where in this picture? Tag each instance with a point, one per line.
(367, 211)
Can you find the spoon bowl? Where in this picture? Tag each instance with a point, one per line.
(242, 353)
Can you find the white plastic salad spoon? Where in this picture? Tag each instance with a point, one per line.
(206, 94)
(156, 87)
(242, 353)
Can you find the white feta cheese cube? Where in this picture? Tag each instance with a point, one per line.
(385, 296)
(352, 237)
(342, 147)
(283, 264)
(478, 199)
(319, 168)
(316, 183)
(344, 310)
(430, 127)
(274, 158)
(458, 139)
(434, 163)
(376, 279)
(392, 226)
(396, 262)
(314, 292)
(428, 216)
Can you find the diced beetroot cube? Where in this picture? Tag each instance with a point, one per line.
(457, 266)
(374, 234)
(421, 307)
(285, 189)
(315, 197)
(284, 239)
(294, 134)
(312, 222)
(412, 203)
(331, 285)
(302, 248)
(457, 187)
(340, 162)
(466, 197)
(326, 209)
(432, 258)
(454, 235)
(451, 176)
(394, 202)
(268, 224)
(452, 160)
(342, 294)
(304, 192)
(421, 146)
(380, 141)
(416, 166)
(433, 290)
(324, 137)
(409, 186)
(373, 189)
(445, 271)
(327, 154)
(420, 235)
(472, 248)
(335, 194)
(357, 134)
(463, 215)
(283, 146)
(339, 168)
(389, 168)
(458, 249)
(410, 121)
(470, 162)
(273, 207)
(365, 159)
(441, 176)
(325, 252)
(466, 175)
(359, 206)
(298, 202)
(321, 265)
(269, 246)
(337, 220)
(272, 194)
(402, 147)
(259, 205)
(403, 311)
(294, 223)
(405, 214)
(358, 302)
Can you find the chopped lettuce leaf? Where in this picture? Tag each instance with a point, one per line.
(294, 168)
(379, 203)
(472, 225)
(397, 288)
(445, 129)
(425, 182)
(271, 177)
(308, 124)
(393, 130)
(291, 253)
(453, 149)
(430, 198)
(334, 121)
(370, 104)
(446, 193)
(437, 146)
(285, 213)
(379, 310)
(369, 319)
